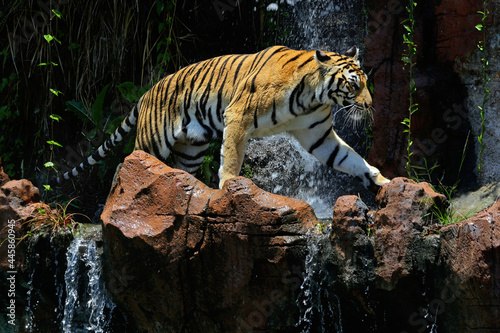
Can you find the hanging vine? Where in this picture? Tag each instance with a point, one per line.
(409, 62)
(486, 80)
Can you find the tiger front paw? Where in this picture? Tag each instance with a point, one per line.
(373, 178)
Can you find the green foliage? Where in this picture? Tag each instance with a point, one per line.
(10, 139)
(246, 171)
(444, 214)
(55, 218)
(210, 167)
(102, 122)
(49, 165)
(273, 30)
(486, 80)
(130, 91)
(410, 63)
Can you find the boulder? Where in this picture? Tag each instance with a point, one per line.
(3, 176)
(396, 263)
(470, 254)
(399, 226)
(19, 200)
(181, 257)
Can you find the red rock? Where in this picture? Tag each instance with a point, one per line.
(3, 176)
(400, 221)
(201, 258)
(19, 200)
(471, 252)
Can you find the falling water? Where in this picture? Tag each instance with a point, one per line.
(88, 306)
(319, 307)
(279, 164)
(282, 166)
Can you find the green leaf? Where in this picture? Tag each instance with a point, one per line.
(79, 110)
(479, 27)
(130, 92)
(47, 187)
(97, 111)
(48, 63)
(50, 38)
(57, 13)
(54, 143)
(55, 117)
(49, 165)
(114, 124)
(55, 92)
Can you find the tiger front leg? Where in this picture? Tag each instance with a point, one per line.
(233, 150)
(334, 152)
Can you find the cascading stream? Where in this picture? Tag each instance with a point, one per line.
(87, 306)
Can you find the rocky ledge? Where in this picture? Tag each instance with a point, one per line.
(181, 257)
(186, 258)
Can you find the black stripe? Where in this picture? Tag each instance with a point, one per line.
(252, 86)
(320, 141)
(255, 116)
(320, 121)
(343, 158)
(273, 114)
(305, 63)
(295, 96)
(237, 71)
(332, 80)
(258, 57)
(189, 157)
(331, 159)
(122, 131)
(291, 60)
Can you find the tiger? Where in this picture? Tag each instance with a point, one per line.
(241, 96)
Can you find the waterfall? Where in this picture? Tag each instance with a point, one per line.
(87, 307)
(279, 164)
(319, 307)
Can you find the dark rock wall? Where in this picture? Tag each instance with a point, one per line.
(448, 81)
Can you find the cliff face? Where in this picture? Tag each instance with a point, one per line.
(448, 78)
(182, 257)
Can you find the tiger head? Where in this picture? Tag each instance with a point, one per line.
(342, 82)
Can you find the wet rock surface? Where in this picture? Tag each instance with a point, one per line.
(194, 259)
(394, 264)
(182, 257)
(19, 200)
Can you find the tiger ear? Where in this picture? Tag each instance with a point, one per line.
(353, 53)
(321, 57)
